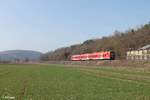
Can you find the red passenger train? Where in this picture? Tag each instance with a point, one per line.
(106, 55)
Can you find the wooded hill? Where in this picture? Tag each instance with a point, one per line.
(120, 42)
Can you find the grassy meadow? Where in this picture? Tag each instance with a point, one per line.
(68, 82)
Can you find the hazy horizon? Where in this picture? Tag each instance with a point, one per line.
(45, 25)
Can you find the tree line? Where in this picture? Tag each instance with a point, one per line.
(119, 42)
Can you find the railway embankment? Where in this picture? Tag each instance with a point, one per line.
(114, 63)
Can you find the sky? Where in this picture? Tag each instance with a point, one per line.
(45, 25)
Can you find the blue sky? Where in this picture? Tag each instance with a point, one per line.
(45, 25)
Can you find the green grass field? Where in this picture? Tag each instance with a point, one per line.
(64, 82)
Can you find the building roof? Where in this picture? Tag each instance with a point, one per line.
(145, 47)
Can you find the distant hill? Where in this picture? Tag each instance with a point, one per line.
(13, 55)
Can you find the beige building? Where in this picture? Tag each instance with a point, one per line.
(140, 54)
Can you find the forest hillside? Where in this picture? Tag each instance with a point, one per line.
(119, 42)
